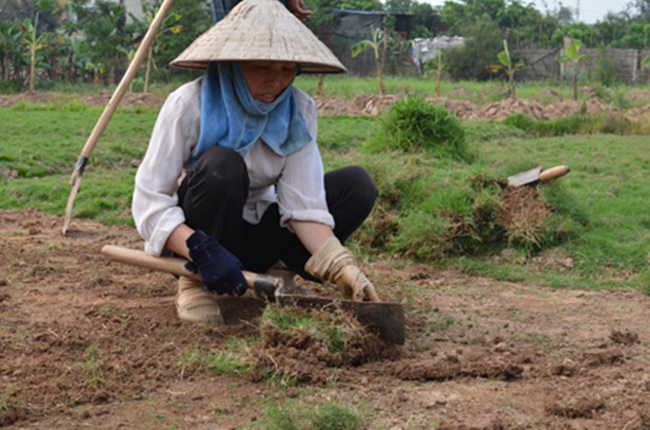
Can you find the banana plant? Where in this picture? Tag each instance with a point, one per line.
(80, 55)
(378, 39)
(646, 62)
(573, 55)
(435, 68)
(508, 67)
(97, 70)
(169, 24)
(34, 42)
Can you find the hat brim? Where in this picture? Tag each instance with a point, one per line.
(260, 30)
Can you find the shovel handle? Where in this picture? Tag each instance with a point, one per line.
(553, 173)
(176, 266)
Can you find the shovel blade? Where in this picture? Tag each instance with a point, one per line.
(523, 178)
(386, 318)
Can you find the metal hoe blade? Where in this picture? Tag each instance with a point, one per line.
(523, 178)
(386, 318)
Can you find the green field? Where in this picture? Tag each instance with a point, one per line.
(601, 209)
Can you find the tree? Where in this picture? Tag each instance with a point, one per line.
(643, 7)
(361, 4)
(483, 42)
(378, 39)
(79, 56)
(425, 17)
(509, 67)
(573, 55)
(97, 70)
(10, 44)
(194, 17)
(457, 16)
(398, 6)
(579, 30)
(609, 30)
(105, 27)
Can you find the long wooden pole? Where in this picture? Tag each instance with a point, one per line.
(112, 104)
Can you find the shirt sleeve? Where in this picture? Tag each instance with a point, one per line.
(155, 201)
(301, 187)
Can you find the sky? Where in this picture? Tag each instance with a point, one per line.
(590, 10)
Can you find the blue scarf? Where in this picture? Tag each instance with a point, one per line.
(232, 118)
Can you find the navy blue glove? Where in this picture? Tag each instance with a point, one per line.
(220, 271)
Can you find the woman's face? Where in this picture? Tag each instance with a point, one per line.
(267, 79)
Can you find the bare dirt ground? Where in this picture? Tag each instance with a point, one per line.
(88, 343)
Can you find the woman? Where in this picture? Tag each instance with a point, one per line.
(253, 194)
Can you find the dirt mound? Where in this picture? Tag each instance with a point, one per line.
(36, 97)
(548, 93)
(7, 101)
(639, 95)
(462, 109)
(373, 105)
(499, 110)
(31, 97)
(330, 106)
(593, 106)
(128, 99)
(457, 364)
(459, 92)
(361, 105)
(639, 115)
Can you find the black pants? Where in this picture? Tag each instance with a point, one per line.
(215, 189)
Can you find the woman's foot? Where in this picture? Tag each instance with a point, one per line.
(196, 304)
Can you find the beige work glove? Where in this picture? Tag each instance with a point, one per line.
(334, 263)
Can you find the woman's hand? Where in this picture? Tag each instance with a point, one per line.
(335, 263)
(296, 7)
(220, 271)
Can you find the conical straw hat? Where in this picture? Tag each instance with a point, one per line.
(260, 30)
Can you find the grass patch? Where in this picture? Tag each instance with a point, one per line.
(92, 368)
(598, 213)
(298, 414)
(413, 125)
(231, 358)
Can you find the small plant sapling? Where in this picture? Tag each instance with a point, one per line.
(378, 39)
(508, 67)
(435, 68)
(572, 54)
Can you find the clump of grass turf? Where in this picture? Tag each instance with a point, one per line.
(298, 415)
(302, 344)
(523, 214)
(412, 124)
(551, 128)
(481, 217)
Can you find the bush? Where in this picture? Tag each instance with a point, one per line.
(413, 124)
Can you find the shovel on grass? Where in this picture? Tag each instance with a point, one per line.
(537, 175)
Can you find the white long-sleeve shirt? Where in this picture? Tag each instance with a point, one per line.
(299, 176)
